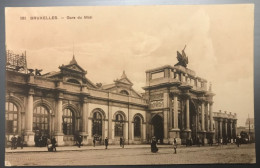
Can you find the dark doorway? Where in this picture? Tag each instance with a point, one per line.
(193, 122)
(157, 123)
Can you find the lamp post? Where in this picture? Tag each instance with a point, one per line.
(249, 129)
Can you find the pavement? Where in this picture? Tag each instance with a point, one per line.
(82, 148)
(131, 155)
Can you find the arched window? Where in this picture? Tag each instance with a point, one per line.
(73, 81)
(119, 125)
(97, 124)
(41, 120)
(137, 126)
(124, 92)
(11, 118)
(68, 122)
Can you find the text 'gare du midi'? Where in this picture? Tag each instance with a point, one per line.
(176, 104)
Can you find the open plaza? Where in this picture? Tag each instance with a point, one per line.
(131, 155)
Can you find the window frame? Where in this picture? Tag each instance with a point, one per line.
(12, 120)
(97, 124)
(68, 115)
(137, 127)
(41, 118)
(119, 125)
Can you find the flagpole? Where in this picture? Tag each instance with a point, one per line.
(249, 128)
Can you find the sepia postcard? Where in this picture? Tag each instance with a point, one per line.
(129, 85)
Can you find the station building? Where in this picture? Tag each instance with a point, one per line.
(176, 104)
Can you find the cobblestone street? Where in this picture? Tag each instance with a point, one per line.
(133, 155)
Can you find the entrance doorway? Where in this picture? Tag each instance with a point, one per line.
(193, 122)
(157, 122)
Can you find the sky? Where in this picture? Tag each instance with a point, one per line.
(219, 41)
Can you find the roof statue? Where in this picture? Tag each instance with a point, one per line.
(182, 58)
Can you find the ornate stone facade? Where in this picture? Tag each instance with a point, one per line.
(181, 102)
(176, 103)
(65, 103)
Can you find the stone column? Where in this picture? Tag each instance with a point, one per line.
(202, 117)
(132, 133)
(187, 114)
(231, 133)
(29, 138)
(220, 128)
(211, 116)
(143, 132)
(113, 131)
(126, 132)
(226, 133)
(231, 129)
(165, 116)
(235, 127)
(85, 114)
(206, 117)
(58, 131)
(109, 120)
(131, 130)
(175, 101)
(165, 126)
(171, 113)
(89, 128)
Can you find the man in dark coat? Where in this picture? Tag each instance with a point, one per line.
(79, 140)
(53, 142)
(238, 140)
(94, 142)
(106, 142)
(154, 148)
(13, 142)
(174, 145)
(20, 142)
(121, 141)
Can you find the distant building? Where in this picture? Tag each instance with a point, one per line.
(249, 128)
(225, 125)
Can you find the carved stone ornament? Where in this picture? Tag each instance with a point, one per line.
(156, 104)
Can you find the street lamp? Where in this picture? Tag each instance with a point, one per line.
(249, 129)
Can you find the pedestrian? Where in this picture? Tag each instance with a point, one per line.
(238, 140)
(49, 145)
(191, 142)
(198, 141)
(187, 142)
(175, 145)
(211, 141)
(79, 141)
(13, 142)
(53, 142)
(123, 142)
(94, 142)
(221, 141)
(20, 142)
(106, 142)
(154, 148)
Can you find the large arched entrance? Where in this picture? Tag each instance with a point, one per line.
(193, 122)
(157, 122)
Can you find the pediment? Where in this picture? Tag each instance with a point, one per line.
(74, 67)
(125, 81)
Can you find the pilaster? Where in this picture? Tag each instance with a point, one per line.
(29, 134)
